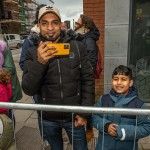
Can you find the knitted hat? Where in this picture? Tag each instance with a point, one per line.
(3, 46)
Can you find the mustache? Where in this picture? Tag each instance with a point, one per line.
(51, 38)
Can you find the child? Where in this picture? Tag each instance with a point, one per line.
(5, 80)
(6, 125)
(120, 131)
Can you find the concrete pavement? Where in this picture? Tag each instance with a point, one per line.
(27, 131)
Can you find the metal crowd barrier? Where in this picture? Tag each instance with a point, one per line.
(75, 109)
(81, 109)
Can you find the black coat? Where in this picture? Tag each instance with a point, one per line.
(89, 39)
(61, 81)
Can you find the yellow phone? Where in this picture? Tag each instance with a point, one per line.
(63, 48)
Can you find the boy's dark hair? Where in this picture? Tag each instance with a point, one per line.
(122, 70)
(37, 13)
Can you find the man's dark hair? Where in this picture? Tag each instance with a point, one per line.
(122, 70)
(87, 21)
(37, 13)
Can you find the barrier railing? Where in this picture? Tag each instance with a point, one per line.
(81, 109)
(76, 109)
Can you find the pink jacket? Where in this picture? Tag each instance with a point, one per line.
(5, 95)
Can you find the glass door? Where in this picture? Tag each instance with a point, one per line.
(139, 55)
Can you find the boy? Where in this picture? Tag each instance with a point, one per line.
(120, 131)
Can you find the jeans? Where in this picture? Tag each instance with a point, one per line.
(53, 132)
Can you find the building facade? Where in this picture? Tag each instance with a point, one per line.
(125, 40)
(17, 16)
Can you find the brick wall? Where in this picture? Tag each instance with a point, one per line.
(96, 9)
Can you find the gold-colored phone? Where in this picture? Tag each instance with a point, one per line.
(63, 48)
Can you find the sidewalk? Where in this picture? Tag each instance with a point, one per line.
(27, 131)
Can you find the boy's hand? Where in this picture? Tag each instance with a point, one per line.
(43, 54)
(79, 121)
(112, 129)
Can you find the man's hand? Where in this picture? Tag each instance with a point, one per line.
(43, 54)
(112, 129)
(79, 121)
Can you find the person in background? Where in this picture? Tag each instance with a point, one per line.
(121, 132)
(6, 95)
(9, 65)
(31, 40)
(64, 26)
(59, 80)
(5, 80)
(86, 31)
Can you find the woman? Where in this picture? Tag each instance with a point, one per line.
(87, 32)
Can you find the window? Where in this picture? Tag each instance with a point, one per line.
(12, 37)
(139, 60)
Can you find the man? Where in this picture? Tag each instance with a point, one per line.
(64, 26)
(59, 80)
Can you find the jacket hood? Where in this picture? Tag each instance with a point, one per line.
(95, 34)
(133, 93)
(35, 29)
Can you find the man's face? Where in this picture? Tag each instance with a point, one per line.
(78, 24)
(50, 27)
(121, 84)
(63, 26)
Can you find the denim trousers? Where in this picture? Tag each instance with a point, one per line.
(53, 132)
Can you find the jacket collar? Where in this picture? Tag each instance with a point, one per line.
(133, 92)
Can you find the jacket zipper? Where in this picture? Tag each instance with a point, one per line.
(60, 79)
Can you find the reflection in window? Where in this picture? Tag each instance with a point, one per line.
(139, 60)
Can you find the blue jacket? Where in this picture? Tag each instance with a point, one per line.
(29, 42)
(126, 123)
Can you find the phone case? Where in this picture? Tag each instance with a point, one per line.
(63, 48)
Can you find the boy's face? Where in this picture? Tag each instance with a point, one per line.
(121, 84)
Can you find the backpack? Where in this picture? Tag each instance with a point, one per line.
(6, 132)
(98, 68)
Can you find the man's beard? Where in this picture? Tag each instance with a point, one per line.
(52, 39)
